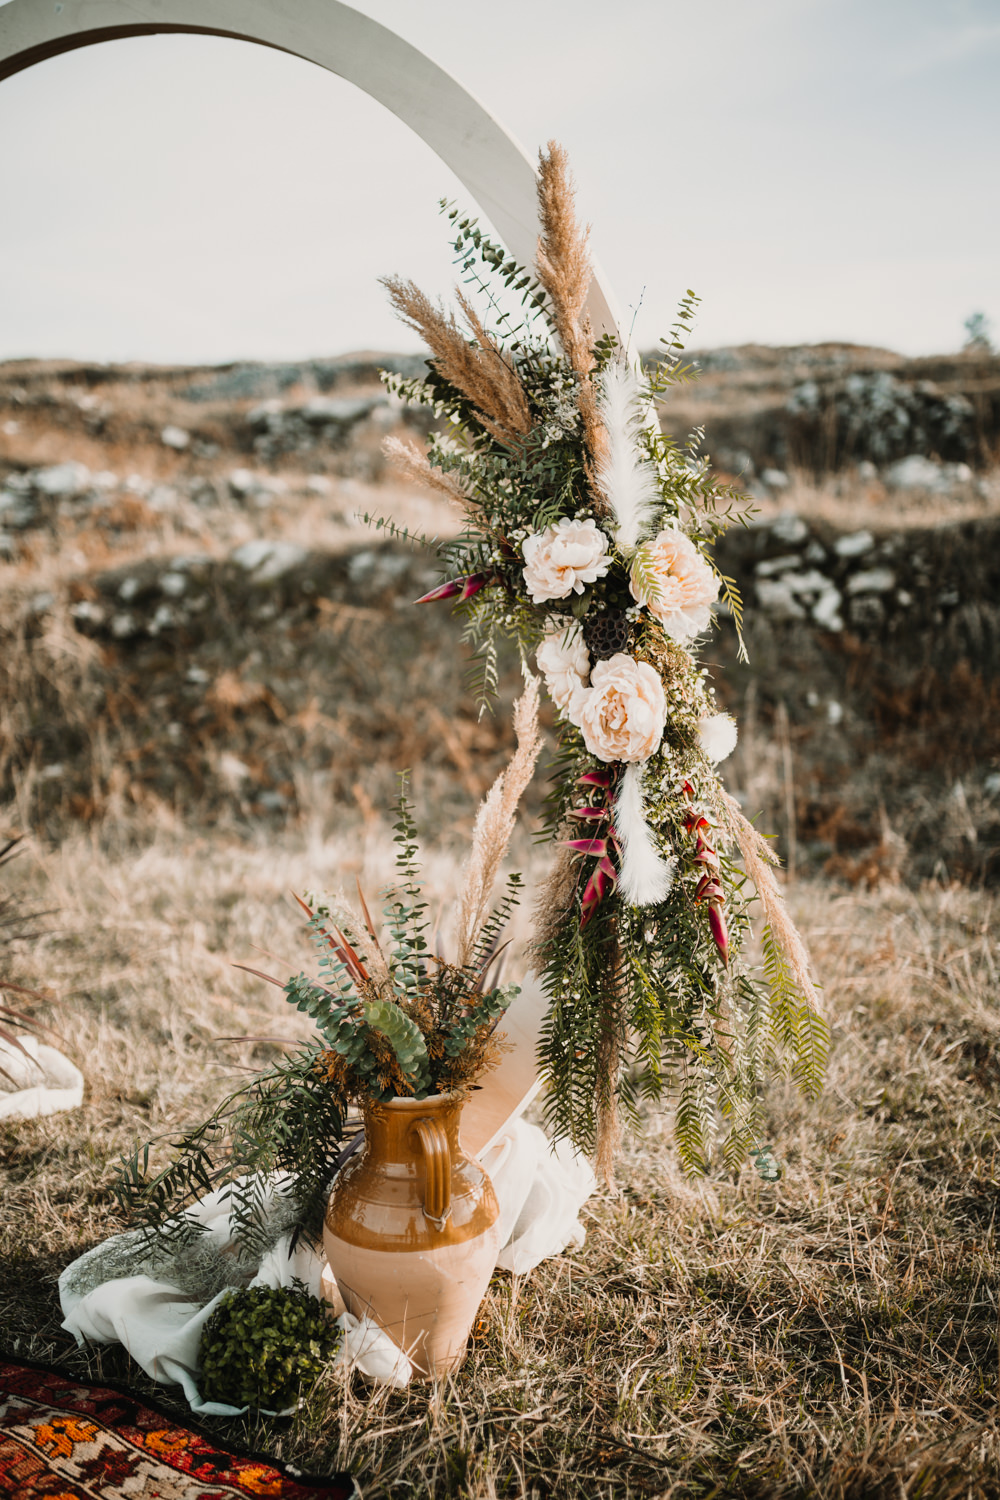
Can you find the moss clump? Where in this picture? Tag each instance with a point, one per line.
(262, 1345)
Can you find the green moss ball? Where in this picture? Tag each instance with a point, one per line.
(261, 1346)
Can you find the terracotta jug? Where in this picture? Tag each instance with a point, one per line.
(411, 1230)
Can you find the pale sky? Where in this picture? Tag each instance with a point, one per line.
(814, 169)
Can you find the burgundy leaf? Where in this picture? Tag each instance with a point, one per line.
(474, 583)
(443, 591)
(586, 846)
(709, 889)
(720, 932)
(464, 587)
(595, 778)
(594, 892)
(367, 915)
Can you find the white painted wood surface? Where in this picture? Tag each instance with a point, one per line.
(486, 158)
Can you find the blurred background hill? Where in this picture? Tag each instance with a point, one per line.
(200, 630)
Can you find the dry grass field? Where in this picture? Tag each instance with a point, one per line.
(835, 1334)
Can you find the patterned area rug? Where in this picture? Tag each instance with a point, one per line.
(63, 1440)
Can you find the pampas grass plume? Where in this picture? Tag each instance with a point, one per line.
(495, 824)
(759, 859)
(415, 466)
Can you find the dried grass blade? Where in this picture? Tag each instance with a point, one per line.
(259, 974)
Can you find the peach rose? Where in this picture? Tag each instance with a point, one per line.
(683, 584)
(623, 713)
(564, 662)
(564, 558)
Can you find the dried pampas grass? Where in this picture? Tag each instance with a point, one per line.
(554, 902)
(481, 373)
(563, 257)
(495, 824)
(760, 859)
(414, 465)
(565, 271)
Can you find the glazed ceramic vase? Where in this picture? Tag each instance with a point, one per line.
(411, 1230)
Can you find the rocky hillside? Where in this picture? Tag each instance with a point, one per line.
(197, 629)
(930, 424)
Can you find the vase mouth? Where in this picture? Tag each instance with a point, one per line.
(403, 1104)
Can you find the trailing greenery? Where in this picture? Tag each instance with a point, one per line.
(285, 1122)
(403, 1024)
(651, 1000)
(261, 1347)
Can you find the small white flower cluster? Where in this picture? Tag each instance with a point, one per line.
(559, 397)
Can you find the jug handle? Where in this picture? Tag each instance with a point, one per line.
(437, 1160)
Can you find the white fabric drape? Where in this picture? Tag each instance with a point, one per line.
(540, 1189)
(43, 1082)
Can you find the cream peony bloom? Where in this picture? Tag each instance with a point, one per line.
(717, 735)
(564, 662)
(564, 558)
(685, 584)
(623, 713)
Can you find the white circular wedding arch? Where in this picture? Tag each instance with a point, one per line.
(485, 157)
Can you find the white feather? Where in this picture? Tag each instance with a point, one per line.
(644, 876)
(628, 479)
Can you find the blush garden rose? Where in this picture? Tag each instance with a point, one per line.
(564, 558)
(683, 585)
(623, 713)
(564, 662)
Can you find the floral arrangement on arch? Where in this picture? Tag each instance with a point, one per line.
(586, 540)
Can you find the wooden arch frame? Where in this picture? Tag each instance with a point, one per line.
(483, 155)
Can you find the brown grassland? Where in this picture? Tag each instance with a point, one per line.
(834, 1334)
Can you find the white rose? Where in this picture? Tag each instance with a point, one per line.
(623, 713)
(683, 584)
(717, 735)
(564, 662)
(563, 559)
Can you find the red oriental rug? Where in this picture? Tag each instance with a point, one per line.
(63, 1440)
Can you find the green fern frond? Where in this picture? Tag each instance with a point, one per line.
(799, 1033)
(734, 599)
